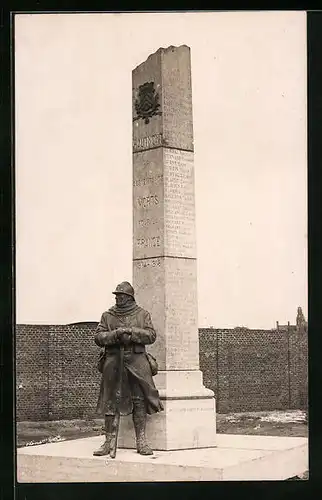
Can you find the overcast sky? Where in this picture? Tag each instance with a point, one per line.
(74, 161)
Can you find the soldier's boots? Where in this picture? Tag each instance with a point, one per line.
(139, 420)
(105, 448)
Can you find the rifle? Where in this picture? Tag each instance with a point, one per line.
(118, 395)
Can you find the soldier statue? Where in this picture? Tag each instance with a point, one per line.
(126, 328)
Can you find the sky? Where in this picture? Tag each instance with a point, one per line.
(73, 163)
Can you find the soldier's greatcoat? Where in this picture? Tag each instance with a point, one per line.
(137, 376)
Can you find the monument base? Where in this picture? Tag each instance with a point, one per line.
(189, 417)
(236, 458)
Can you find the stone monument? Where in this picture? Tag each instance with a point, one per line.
(164, 248)
(164, 266)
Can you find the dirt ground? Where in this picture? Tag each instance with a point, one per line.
(277, 423)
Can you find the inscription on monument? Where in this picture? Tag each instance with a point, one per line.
(181, 309)
(147, 181)
(179, 210)
(177, 102)
(147, 201)
(153, 141)
(153, 242)
(148, 222)
(140, 264)
(184, 410)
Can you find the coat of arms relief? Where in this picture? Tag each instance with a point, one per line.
(147, 102)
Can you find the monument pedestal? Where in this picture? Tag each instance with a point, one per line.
(236, 458)
(189, 417)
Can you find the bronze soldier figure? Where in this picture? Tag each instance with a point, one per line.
(128, 325)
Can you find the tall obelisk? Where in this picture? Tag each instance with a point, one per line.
(164, 248)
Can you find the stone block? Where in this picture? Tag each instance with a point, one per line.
(236, 458)
(169, 70)
(184, 424)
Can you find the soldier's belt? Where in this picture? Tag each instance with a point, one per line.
(134, 348)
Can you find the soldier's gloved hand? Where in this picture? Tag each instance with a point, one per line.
(120, 331)
(125, 338)
(124, 335)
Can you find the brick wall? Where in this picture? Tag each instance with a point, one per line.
(60, 379)
(248, 370)
(31, 371)
(255, 370)
(298, 348)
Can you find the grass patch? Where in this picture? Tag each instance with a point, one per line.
(291, 423)
(32, 433)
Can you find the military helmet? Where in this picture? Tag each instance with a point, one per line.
(126, 288)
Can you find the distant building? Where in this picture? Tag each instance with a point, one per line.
(300, 326)
(284, 328)
(301, 323)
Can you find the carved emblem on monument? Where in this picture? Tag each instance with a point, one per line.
(147, 102)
